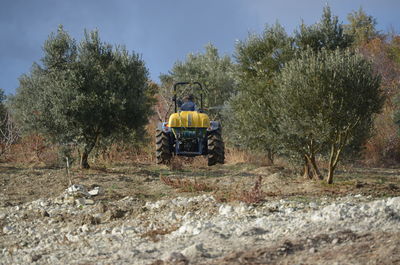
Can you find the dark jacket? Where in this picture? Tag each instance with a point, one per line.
(188, 106)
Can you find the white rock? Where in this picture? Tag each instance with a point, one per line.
(230, 228)
(80, 201)
(185, 229)
(176, 257)
(27, 258)
(44, 203)
(59, 200)
(187, 216)
(225, 209)
(72, 238)
(106, 231)
(196, 250)
(69, 200)
(394, 202)
(313, 205)
(172, 216)
(289, 210)
(77, 189)
(3, 216)
(8, 229)
(96, 191)
(116, 231)
(261, 222)
(128, 229)
(241, 209)
(85, 228)
(89, 202)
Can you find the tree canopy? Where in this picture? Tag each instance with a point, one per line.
(260, 59)
(84, 92)
(328, 33)
(214, 72)
(324, 100)
(362, 26)
(304, 96)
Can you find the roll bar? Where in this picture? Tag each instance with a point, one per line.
(188, 83)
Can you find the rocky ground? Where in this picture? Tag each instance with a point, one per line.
(197, 228)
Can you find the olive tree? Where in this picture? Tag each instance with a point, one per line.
(9, 132)
(214, 72)
(327, 33)
(325, 100)
(361, 26)
(259, 59)
(84, 92)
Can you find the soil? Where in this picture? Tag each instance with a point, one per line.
(144, 182)
(344, 247)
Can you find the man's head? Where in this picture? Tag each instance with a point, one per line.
(188, 98)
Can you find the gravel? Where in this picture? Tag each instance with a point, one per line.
(192, 230)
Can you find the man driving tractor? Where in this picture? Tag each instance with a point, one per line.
(188, 104)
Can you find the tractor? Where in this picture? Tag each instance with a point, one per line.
(189, 133)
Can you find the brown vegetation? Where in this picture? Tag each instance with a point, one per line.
(186, 185)
(154, 235)
(383, 148)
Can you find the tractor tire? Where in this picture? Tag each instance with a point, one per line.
(163, 151)
(216, 148)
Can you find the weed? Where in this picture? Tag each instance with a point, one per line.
(176, 164)
(235, 156)
(34, 149)
(253, 196)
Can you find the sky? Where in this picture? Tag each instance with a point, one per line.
(162, 31)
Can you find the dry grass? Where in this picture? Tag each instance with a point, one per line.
(252, 196)
(186, 185)
(119, 153)
(236, 156)
(155, 234)
(255, 195)
(34, 150)
(176, 163)
(383, 148)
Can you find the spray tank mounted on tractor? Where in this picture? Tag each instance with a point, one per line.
(189, 133)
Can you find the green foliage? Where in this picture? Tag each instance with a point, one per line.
(325, 100)
(3, 114)
(303, 96)
(2, 106)
(9, 133)
(393, 50)
(361, 26)
(84, 92)
(260, 58)
(328, 33)
(396, 116)
(214, 72)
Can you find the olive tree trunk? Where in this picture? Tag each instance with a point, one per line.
(336, 149)
(87, 148)
(311, 169)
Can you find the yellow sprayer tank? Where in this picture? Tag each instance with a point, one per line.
(189, 119)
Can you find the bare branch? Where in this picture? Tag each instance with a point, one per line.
(9, 133)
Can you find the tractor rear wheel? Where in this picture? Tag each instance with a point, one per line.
(216, 148)
(163, 151)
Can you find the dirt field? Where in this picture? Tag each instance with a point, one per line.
(144, 182)
(22, 184)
